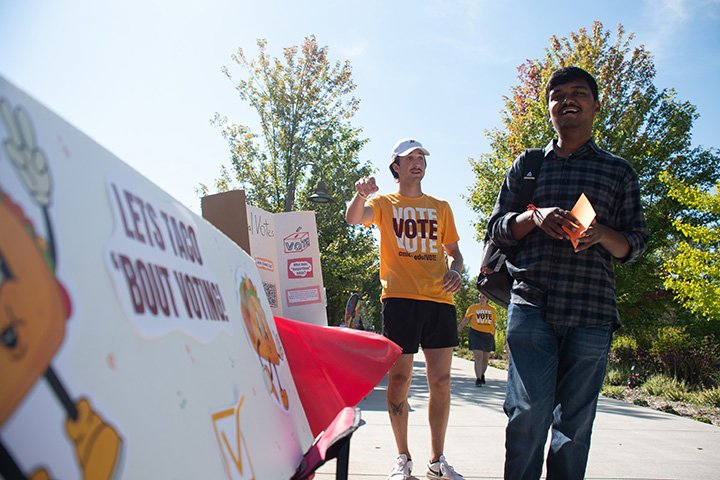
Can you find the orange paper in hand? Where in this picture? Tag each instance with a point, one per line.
(585, 215)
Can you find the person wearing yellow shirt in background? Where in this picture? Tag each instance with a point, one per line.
(420, 270)
(481, 338)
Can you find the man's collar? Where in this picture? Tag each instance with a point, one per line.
(549, 148)
(590, 144)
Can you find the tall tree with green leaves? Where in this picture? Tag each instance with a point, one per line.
(648, 126)
(693, 271)
(305, 107)
(466, 296)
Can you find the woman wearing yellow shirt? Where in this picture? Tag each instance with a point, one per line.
(481, 337)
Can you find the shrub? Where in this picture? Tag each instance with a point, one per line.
(624, 350)
(701, 418)
(710, 397)
(685, 357)
(500, 343)
(500, 363)
(617, 375)
(677, 395)
(613, 391)
(671, 345)
(463, 352)
(666, 387)
(635, 378)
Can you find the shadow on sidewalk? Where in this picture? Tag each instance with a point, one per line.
(464, 392)
(611, 406)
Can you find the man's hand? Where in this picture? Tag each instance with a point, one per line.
(551, 220)
(366, 186)
(452, 281)
(594, 234)
(26, 156)
(356, 211)
(612, 241)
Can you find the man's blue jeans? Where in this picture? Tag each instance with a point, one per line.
(554, 378)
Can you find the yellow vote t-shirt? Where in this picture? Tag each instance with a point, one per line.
(412, 234)
(482, 318)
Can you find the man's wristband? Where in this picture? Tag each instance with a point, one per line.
(535, 213)
(361, 195)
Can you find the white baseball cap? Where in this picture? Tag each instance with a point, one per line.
(405, 146)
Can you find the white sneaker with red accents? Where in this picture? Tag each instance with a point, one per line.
(441, 470)
(402, 468)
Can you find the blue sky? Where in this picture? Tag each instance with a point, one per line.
(143, 78)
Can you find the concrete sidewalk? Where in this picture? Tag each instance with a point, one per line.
(629, 442)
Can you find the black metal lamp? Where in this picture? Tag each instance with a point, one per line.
(321, 195)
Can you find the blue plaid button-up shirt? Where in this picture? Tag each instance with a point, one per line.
(575, 289)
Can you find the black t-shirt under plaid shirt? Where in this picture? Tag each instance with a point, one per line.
(576, 289)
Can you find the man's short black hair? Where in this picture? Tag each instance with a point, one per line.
(565, 75)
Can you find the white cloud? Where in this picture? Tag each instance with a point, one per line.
(465, 10)
(354, 50)
(667, 19)
(667, 16)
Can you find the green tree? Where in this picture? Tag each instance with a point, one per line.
(648, 126)
(693, 271)
(466, 296)
(305, 106)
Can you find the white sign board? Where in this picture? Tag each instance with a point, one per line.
(286, 253)
(137, 341)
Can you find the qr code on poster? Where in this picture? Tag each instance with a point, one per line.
(271, 293)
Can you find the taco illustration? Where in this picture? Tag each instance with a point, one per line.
(261, 339)
(34, 311)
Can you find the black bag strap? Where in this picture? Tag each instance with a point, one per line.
(531, 169)
(496, 285)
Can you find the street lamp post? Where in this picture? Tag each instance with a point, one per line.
(321, 195)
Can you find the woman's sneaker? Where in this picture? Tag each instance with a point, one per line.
(441, 470)
(402, 468)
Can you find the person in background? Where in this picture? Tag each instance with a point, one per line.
(481, 317)
(353, 312)
(420, 269)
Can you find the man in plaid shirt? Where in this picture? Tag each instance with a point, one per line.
(563, 310)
